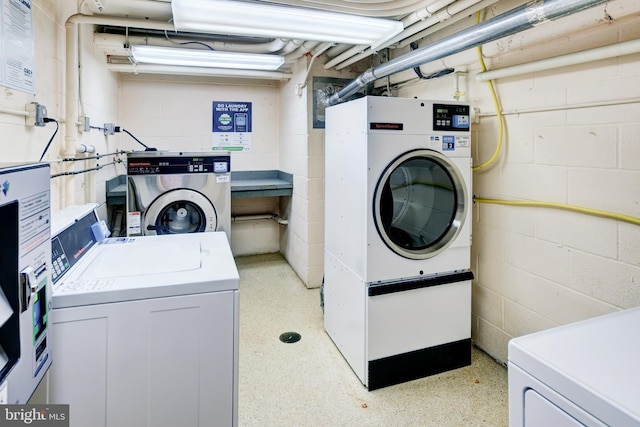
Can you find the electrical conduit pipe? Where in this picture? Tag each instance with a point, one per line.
(512, 22)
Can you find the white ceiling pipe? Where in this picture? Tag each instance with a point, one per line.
(115, 44)
(449, 17)
(345, 56)
(120, 22)
(316, 53)
(197, 71)
(424, 13)
(508, 23)
(302, 49)
(358, 52)
(605, 52)
(449, 14)
(370, 8)
(337, 50)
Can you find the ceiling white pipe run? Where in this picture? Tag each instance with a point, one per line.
(354, 54)
(196, 71)
(511, 22)
(115, 44)
(378, 8)
(424, 13)
(446, 16)
(605, 52)
(120, 22)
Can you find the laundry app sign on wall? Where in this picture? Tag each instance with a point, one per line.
(231, 126)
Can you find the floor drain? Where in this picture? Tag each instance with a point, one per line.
(290, 337)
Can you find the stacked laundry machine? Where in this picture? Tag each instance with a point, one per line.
(178, 192)
(397, 279)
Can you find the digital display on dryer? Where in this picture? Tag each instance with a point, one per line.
(451, 117)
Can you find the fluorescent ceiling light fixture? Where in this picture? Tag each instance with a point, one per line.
(143, 54)
(264, 20)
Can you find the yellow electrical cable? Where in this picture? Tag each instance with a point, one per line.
(496, 103)
(553, 205)
(537, 204)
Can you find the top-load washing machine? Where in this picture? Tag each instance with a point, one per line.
(581, 374)
(144, 329)
(397, 280)
(178, 192)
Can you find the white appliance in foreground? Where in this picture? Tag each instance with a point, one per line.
(397, 279)
(146, 328)
(25, 279)
(582, 374)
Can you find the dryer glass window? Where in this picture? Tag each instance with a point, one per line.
(180, 217)
(419, 204)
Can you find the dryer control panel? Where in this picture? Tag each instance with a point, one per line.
(178, 165)
(451, 117)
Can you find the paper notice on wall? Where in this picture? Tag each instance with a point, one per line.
(231, 126)
(16, 45)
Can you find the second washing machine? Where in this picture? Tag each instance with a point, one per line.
(178, 192)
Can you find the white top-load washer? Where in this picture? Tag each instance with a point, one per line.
(146, 327)
(585, 373)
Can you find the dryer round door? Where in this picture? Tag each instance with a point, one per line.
(419, 204)
(180, 211)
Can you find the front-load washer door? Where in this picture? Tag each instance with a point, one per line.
(180, 211)
(419, 204)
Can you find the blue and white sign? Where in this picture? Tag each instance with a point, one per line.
(448, 143)
(231, 126)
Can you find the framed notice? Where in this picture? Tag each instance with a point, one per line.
(231, 126)
(16, 45)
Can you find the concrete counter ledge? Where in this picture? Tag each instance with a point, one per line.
(268, 183)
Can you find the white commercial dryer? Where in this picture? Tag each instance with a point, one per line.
(397, 283)
(178, 192)
(146, 328)
(581, 374)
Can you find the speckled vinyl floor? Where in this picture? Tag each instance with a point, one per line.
(308, 383)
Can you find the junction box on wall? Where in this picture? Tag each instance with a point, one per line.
(36, 114)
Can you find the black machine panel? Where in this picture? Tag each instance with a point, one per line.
(451, 117)
(161, 165)
(72, 244)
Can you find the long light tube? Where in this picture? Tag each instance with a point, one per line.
(263, 20)
(143, 54)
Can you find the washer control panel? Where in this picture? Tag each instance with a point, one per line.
(178, 165)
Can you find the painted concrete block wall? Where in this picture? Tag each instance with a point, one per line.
(302, 154)
(294, 160)
(19, 143)
(537, 268)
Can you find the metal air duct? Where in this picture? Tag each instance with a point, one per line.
(514, 21)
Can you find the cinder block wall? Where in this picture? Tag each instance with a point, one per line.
(537, 268)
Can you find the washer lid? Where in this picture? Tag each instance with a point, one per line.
(128, 259)
(126, 269)
(593, 363)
